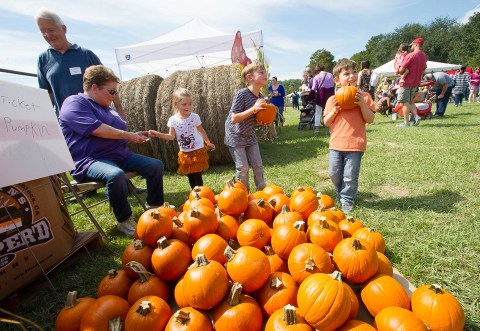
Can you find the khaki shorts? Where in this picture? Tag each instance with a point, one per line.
(406, 94)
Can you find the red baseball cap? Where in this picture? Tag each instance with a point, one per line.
(416, 41)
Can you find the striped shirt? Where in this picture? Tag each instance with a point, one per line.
(462, 80)
(241, 134)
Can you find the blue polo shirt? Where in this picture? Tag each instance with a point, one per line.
(80, 116)
(62, 74)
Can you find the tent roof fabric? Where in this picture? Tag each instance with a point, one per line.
(387, 69)
(193, 45)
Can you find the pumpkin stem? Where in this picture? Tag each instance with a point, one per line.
(350, 219)
(229, 253)
(162, 243)
(299, 225)
(115, 324)
(276, 283)
(310, 264)
(200, 260)
(261, 202)
(142, 273)
(197, 189)
(284, 209)
(437, 289)
(356, 244)
(269, 251)
(289, 315)
(337, 275)
(234, 244)
(273, 203)
(194, 212)
(323, 223)
(155, 214)
(112, 273)
(138, 244)
(71, 299)
(217, 211)
(182, 317)
(144, 308)
(177, 222)
(234, 296)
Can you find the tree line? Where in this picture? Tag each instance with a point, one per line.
(445, 40)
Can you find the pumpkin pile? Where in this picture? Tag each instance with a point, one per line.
(237, 261)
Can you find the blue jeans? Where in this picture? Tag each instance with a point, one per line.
(245, 157)
(458, 99)
(112, 173)
(443, 102)
(344, 171)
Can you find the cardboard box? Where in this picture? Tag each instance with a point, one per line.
(35, 232)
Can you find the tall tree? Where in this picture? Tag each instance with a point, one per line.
(322, 57)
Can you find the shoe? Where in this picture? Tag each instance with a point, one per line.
(403, 125)
(416, 120)
(127, 227)
(394, 116)
(151, 206)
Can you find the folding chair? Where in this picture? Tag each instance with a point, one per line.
(77, 190)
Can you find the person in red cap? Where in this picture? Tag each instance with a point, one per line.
(416, 63)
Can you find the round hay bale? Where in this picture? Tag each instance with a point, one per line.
(212, 94)
(138, 98)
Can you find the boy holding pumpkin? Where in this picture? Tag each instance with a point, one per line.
(347, 113)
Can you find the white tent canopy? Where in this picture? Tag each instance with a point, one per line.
(193, 45)
(387, 69)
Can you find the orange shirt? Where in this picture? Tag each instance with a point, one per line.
(347, 131)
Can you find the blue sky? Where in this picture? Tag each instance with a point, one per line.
(292, 30)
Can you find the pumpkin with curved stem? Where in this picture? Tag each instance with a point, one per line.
(260, 209)
(356, 325)
(277, 202)
(146, 284)
(355, 259)
(170, 259)
(286, 217)
(325, 233)
(279, 290)
(277, 264)
(267, 115)
(438, 308)
(212, 246)
(253, 232)
(205, 283)
(304, 203)
(349, 226)
(148, 313)
(137, 251)
(398, 319)
(371, 236)
(68, 319)
(346, 97)
(287, 319)
(323, 301)
(116, 282)
(227, 226)
(199, 221)
(248, 266)
(189, 318)
(154, 224)
(106, 313)
(202, 192)
(239, 312)
(286, 237)
(307, 259)
(383, 291)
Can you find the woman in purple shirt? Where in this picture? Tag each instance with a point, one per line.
(97, 138)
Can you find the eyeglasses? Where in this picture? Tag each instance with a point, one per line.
(112, 92)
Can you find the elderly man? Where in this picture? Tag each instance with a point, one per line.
(61, 67)
(416, 63)
(443, 86)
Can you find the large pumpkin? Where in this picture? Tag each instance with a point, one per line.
(439, 309)
(371, 236)
(259, 208)
(267, 115)
(154, 224)
(324, 233)
(116, 282)
(233, 200)
(323, 301)
(199, 221)
(212, 246)
(346, 97)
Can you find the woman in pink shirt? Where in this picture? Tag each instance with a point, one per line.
(474, 84)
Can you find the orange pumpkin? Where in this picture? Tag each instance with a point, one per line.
(212, 246)
(286, 237)
(146, 284)
(154, 224)
(325, 233)
(227, 226)
(399, 319)
(356, 260)
(199, 221)
(279, 290)
(356, 325)
(179, 232)
(248, 266)
(326, 201)
(318, 214)
(68, 319)
(148, 313)
(307, 259)
(277, 264)
(253, 232)
(202, 192)
(189, 318)
(349, 226)
(233, 201)
(170, 259)
(384, 265)
(287, 319)
(198, 201)
(286, 217)
(277, 201)
(300, 189)
(346, 97)
(338, 213)
(371, 236)
(355, 307)
(439, 309)
(272, 189)
(259, 208)
(267, 115)
(234, 182)
(323, 301)
(137, 251)
(304, 203)
(116, 282)
(105, 310)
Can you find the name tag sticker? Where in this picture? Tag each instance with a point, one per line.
(75, 71)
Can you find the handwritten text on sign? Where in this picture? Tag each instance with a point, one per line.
(31, 142)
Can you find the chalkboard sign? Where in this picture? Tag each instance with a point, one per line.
(31, 141)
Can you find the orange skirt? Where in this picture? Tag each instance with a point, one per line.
(191, 162)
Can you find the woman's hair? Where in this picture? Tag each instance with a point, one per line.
(365, 64)
(344, 64)
(98, 75)
(402, 48)
(179, 94)
(48, 15)
(250, 68)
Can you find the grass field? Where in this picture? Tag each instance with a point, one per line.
(419, 187)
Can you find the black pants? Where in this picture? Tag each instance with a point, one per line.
(195, 179)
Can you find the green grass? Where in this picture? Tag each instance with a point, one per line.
(418, 187)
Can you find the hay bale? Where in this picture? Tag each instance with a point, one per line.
(212, 93)
(138, 98)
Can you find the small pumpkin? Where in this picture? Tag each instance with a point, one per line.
(189, 318)
(272, 189)
(267, 115)
(253, 232)
(286, 217)
(286, 237)
(304, 203)
(346, 97)
(277, 201)
(307, 259)
(399, 319)
(248, 266)
(325, 233)
(170, 259)
(227, 226)
(300, 189)
(137, 251)
(106, 311)
(199, 221)
(146, 284)
(260, 209)
(438, 308)
(279, 290)
(148, 313)
(212, 246)
(371, 236)
(277, 264)
(384, 265)
(202, 192)
(349, 226)
(116, 282)
(326, 201)
(233, 200)
(287, 319)
(69, 317)
(153, 224)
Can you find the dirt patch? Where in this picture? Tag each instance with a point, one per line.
(394, 191)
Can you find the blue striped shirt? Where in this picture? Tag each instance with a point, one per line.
(241, 134)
